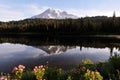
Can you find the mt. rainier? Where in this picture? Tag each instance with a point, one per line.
(55, 14)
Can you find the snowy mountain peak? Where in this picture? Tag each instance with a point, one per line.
(52, 10)
(54, 14)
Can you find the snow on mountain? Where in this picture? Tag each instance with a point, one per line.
(55, 49)
(55, 14)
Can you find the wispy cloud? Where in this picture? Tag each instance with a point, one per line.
(4, 6)
(84, 13)
(7, 14)
(35, 9)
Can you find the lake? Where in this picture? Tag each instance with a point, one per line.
(63, 51)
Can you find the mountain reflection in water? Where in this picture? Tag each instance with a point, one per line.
(64, 53)
(61, 56)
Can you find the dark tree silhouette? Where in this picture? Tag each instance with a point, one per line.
(86, 26)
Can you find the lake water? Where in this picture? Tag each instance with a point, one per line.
(64, 52)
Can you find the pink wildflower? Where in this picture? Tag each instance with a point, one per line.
(3, 78)
(43, 69)
(97, 73)
(15, 69)
(36, 67)
(40, 67)
(21, 67)
(35, 70)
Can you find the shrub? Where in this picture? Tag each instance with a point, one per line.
(115, 62)
(28, 75)
(105, 69)
(55, 74)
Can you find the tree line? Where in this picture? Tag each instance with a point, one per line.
(81, 26)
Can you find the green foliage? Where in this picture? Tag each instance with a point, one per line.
(118, 74)
(55, 74)
(106, 69)
(77, 73)
(28, 75)
(115, 61)
(69, 78)
(50, 74)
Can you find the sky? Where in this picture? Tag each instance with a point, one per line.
(22, 9)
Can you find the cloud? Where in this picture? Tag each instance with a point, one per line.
(10, 13)
(7, 13)
(4, 6)
(84, 13)
(35, 9)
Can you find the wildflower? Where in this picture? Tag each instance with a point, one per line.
(18, 72)
(43, 69)
(41, 66)
(83, 68)
(15, 69)
(21, 67)
(92, 75)
(88, 71)
(39, 72)
(35, 70)
(97, 73)
(3, 78)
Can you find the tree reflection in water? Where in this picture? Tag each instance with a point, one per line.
(62, 51)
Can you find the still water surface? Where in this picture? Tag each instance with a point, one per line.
(31, 52)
